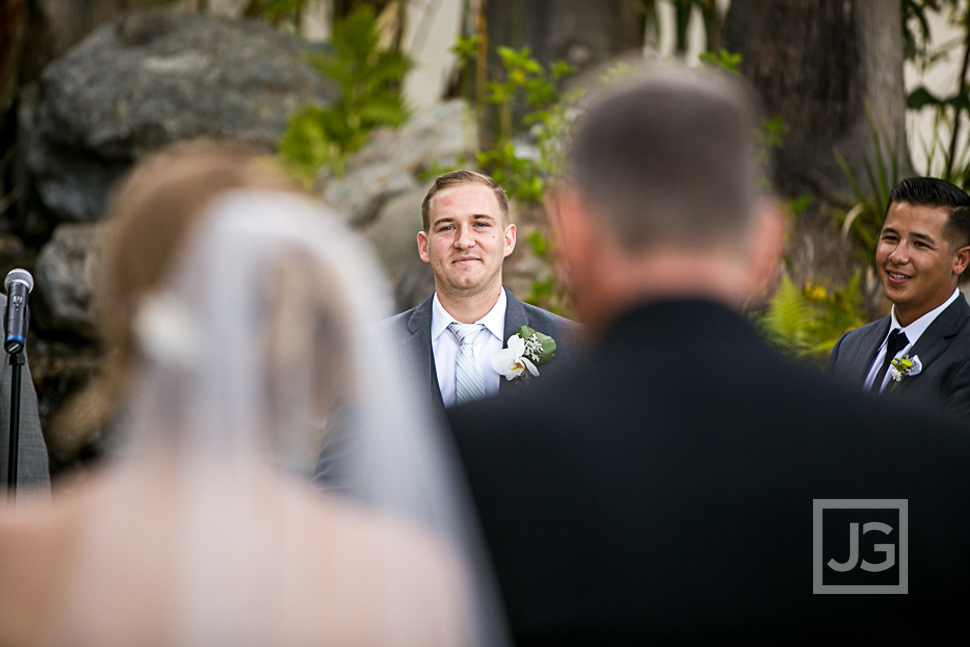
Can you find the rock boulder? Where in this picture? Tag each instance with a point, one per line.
(153, 77)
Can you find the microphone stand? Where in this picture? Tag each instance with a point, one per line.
(18, 284)
(16, 371)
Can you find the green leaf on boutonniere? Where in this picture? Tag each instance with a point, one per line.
(543, 346)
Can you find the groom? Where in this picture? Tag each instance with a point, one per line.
(447, 343)
(465, 236)
(923, 249)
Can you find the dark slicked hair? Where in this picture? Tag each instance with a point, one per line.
(938, 194)
(456, 178)
(671, 160)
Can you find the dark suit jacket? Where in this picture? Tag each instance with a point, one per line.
(33, 474)
(943, 350)
(661, 491)
(413, 330)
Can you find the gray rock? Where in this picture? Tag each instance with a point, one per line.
(154, 77)
(361, 200)
(65, 275)
(394, 233)
(388, 165)
(13, 253)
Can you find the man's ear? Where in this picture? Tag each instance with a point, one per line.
(767, 247)
(509, 239)
(960, 260)
(423, 247)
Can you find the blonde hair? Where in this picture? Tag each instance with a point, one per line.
(153, 212)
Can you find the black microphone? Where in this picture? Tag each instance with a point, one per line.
(18, 284)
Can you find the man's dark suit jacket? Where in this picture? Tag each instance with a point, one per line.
(661, 491)
(412, 328)
(943, 350)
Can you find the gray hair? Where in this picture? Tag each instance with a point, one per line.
(670, 159)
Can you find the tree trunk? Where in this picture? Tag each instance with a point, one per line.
(833, 71)
(57, 25)
(580, 32)
(817, 63)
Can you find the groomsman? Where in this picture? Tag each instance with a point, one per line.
(923, 249)
(448, 342)
(681, 483)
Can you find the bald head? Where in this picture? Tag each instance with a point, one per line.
(670, 160)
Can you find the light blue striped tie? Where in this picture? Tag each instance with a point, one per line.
(469, 383)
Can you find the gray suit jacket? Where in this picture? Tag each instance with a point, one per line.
(943, 350)
(33, 474)
(413, 329)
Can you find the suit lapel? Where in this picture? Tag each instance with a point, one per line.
(864, 353)
(515, 318)
(938, 335)
(418, 356)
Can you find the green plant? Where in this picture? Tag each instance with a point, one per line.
(370, 81)
(527, 154)
(806, 322)
(864, 218)
(949, 112)
(723, 59)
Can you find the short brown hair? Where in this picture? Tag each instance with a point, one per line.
(670, 159)
(157, 208)
(456, 178)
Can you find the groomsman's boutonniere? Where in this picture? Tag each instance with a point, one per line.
(904, 367)
(526, 350)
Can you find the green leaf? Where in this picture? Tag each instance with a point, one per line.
(921, 97)
(725, 60)
(465, 48)
(799, 204)
(561, 69)
(786, 317)
(548, 343)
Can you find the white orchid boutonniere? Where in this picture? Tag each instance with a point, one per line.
(526, 350)
(904, 366)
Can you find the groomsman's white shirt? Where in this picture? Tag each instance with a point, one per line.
(913, 332)
(445, 346)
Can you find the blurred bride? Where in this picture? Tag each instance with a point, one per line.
(234, 341)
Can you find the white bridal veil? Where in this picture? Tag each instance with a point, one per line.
(206, 532)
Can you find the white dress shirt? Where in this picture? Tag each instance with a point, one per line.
(913, 332)
(444, 345)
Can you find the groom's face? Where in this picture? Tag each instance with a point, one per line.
(467, 240)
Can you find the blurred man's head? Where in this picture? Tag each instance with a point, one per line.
(665, 193)
(924, 246)
(466, 236)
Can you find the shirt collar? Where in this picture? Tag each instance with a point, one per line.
(494, 319)
(917, 328)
